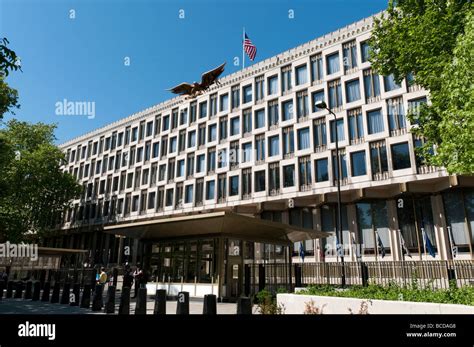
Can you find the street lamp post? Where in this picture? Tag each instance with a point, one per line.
(340, 248)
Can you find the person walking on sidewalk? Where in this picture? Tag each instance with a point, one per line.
(138, 278)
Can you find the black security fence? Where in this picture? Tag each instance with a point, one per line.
(423, 274)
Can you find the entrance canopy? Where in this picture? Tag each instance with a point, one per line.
(223, 223)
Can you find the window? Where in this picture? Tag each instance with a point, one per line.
(378, 158)
(224, 102)
(222, 128)
(180, 171)
(192, 139)
(352, 90)
(259, 88)
(166, 123)
(321, 168)
(156, 150)
(199, 191)
(288, 141)
(273, 85)
(234, 185)
(210, 187)
(183, 116)
(246, 183)
(213, 104)
(273, 145)
(358, 163)
(332, 63)
(335, 94)
(396, 115)
(192, 112)
(400, 156)
(303, 139)
(301, 75)
(259, 118)
(174, 118)
(302, 109)
(235, 93)
(203, 109)
(169, 197)
(317, 68)
(211, 160)
(304, 168)
(389, 83)
(287, 109)
(247, 120)
(135, 200)
(288, 176)
(375, 121)
(246, 152)
(221, 187)
(235, 126)
(260, 147)
(149, 128)
(171, 169)
(234, 154)
(222, 158)
(317, 97)
(414, 107)
(260, 181)
(173, 142)
(145, 176)
(319, 131)
(371, 85)
(212, 132)
(139, 154)
(372, 220)
(161, 172)
(273, 113)
(340, 130)
(157, 125)
(142, 130)
(190, 165)
(335, 170)
(349, 51)
(201, 160)
(147, 151)
(134, 136)
(286, 79)
(274, 178)
(202, 134)
(179, 196)
(247, 93)
(188, 194)
(364, 51)
(356, 126)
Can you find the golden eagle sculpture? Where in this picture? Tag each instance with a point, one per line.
(192, 90)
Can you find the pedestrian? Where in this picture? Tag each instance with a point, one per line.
(127, 277)
(138, 278)
(101, 282)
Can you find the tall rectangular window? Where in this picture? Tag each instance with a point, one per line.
(364, 51)
(222, 158)
(211, 160)
(352, 90)
(202, 134)
(259, 88)
(259, 118)
(183, 116)
(260, 147)
(273, 113)
(301, 74)
(335, 94)
(221, 187)
(222, 128)
(274, 178)
(321, 168)
(173, 142)
(199, 198)
(286, 84)
(246, 183)
(210, 188)
(358, 166)
(378, 159)
(246, 152)
(188, 194)
(212, 133)
(375, 121)
(349, 51)
(317, 97)
(389, 83)
(400, 156)
(317, 72)
(303, 139)
(235, 94)
(332, 63)
(233, 185)
(340, 130)
(192, 112)
(166, 123)
(273, 145)
(247, 121)
(213, 104)
(273, 85)
(287, 110)
(224, 102)
(182, 141)
(247, 93)
(235, 126)
(288, 141)
(201, 161)
(203, 109)
(304, 168)
(288, 176)
(180, 168)
(396, 116)
(319, 131)
(190, 165)
(260, 181)
(356, 126)
(335, 169)
(192, 139)
(302, 109)
(371, 86)
(174, 119)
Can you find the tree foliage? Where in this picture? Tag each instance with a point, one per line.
(433, 40)
(8, 62)
(34, 189)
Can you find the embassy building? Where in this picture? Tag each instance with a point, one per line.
(200, 189)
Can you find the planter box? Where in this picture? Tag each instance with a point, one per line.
(295, 304)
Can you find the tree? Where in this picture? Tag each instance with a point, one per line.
(8, 62)
(35, 191)
(433, 40)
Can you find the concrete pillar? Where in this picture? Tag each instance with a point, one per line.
(318, 243)
(353, 231)
(441, 232)
(393, 226)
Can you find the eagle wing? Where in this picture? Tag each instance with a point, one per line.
(210, 77)
(182, 89)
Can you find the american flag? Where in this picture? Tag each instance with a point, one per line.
(250, 48)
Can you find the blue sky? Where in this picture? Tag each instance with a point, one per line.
(83, 59)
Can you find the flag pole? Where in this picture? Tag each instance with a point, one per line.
(243, 51)
(424, 241)
(403, 256)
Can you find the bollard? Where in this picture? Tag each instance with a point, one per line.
(65, 293)
(9, 289)
(244, 305)
(124, 307)
(46, 289)
(55, 295)
(182, 303)
(115, 277)
(210, 304)
(160, 302)
(2, 287)
(140, 306)
(97, 300)
(36, 291)
(110, 303)
(76, 290)
(28, 290)
(364, 271)
(18, 290)
(298, 277)
(86, 296)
